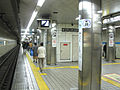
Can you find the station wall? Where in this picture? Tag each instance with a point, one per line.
(7, 40)
(65, 38)
(6, 45)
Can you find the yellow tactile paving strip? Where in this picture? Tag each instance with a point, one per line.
(60, 67)
(41, 83)
(112, 78)
(110, 64)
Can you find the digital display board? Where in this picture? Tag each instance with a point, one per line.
(44, 23)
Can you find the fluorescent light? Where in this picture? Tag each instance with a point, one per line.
(32, 19)
(38, 19)
(35, 12)
(77, 18)
(117, 26)
(40, 3)
(33, 30)
(104, 28)
(99, 12)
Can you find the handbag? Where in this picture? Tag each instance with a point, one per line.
(31, 52)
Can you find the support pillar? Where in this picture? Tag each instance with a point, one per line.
(89, 77)
(51, 51)
(48, 47)
(111, 43)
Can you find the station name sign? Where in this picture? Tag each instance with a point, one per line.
(70, 30)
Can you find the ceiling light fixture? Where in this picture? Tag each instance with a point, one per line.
(32, 19)
(117, 26)
(35, 12)
(100, 12)
(77, 18)
(40, 3)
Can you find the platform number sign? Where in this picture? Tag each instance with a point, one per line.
(45, 23)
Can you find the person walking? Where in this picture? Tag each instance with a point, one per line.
(104, 49)
(35, 54)
(41, 56)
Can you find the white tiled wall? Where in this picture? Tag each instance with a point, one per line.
(64, 37)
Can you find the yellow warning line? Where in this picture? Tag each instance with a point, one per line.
(110, 64)
(117, 59)
(111, 81)
(76, 67)
(60, 67)
(41, 83)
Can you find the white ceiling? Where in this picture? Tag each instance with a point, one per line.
(67, 11)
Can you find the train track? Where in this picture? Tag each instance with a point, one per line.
(7, 68)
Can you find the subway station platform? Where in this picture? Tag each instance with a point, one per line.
(63, 76)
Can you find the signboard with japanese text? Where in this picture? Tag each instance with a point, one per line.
(111, 39)
(80, 40)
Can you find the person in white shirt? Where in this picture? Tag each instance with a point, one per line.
(41, 56)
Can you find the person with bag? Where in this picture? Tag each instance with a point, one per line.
(41, 56)
(31, 52)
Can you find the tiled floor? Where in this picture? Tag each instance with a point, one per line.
(23, 77)
(61, 79)
(56, 79)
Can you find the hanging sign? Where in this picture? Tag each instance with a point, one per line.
(69, 30)
(111, 39)
(54, 33)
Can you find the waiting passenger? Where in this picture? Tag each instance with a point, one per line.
(35, 54)
(24, 44)
(41, 56)
(30, 44)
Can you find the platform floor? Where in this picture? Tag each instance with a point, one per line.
(63, 76)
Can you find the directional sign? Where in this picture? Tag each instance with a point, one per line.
(86, 23)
